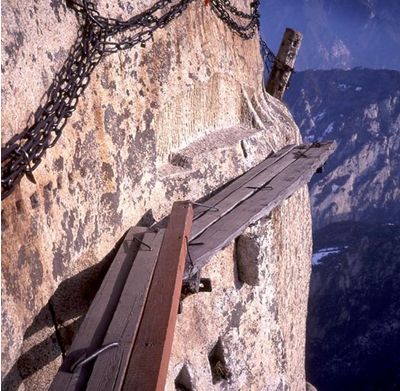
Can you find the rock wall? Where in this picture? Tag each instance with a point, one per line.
(261, 328)
(174, 120)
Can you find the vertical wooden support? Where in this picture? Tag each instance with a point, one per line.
(284, 63)
(147, 369)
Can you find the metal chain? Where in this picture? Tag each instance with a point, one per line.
(267, 55)
(223, 9)
(237, 12)
(97, 37)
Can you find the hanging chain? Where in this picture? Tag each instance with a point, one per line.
(267, 55)
(97, 37)
(223, 9)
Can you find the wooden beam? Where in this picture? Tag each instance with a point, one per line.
(232, 224)
(243, 179)
(243, 188)
(110, 367)
(283, 66)
(93, 328)
(147, 369)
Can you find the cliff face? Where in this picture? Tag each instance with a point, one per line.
(360, 109)
(115, 166)
(261, 329)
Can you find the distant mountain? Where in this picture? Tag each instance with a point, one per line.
(360, 109)
(353, 325)
(337, 33)
(353, 330)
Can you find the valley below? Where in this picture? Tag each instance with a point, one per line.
(353, 325)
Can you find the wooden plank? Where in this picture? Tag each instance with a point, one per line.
(147, 370)
(110, 367)
(242, 180)
(259, 205)
(241, 190)
(93, 328)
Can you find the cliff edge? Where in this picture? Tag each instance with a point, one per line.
(115, 166)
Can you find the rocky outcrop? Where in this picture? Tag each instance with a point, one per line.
(360, 109)
(353, 329)
(128, 152)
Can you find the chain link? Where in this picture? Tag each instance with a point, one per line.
(223, 9)
(267, 55)
(98, 37)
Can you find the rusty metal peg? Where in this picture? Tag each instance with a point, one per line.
(82, 361)
(143, 243)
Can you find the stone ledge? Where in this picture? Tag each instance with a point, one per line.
(238, 140)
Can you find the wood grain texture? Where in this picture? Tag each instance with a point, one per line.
(93, 328)
(282, 68)
(283, 185)
(241, 180)
(243, 188)
(110, 367)
(147, 370)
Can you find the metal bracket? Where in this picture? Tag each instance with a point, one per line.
(143, 243)
(82, 361)
(194, 285)
(213, 208)
(298, 154)
(260, 187)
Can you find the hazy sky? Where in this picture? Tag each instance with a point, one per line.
(337, 33)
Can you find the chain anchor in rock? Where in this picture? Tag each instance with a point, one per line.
(98, 37)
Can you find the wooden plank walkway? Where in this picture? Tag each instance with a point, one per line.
(251, 197)
(110, 367)
(93, 328)
(242, 188)
(125, 340)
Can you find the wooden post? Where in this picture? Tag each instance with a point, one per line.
(148, 365)
(284, 63)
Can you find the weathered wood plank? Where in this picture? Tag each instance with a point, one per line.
(244, 188)
(243, 179)
(259, 205)
(148, 365)
(93, 328)
(284, 63)
(110, 367)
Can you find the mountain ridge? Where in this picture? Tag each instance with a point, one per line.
(353, 329)
(337, 33)
(360, 109)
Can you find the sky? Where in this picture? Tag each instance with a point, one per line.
(337, 33)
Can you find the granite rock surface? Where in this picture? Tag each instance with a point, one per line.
(196, 84)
